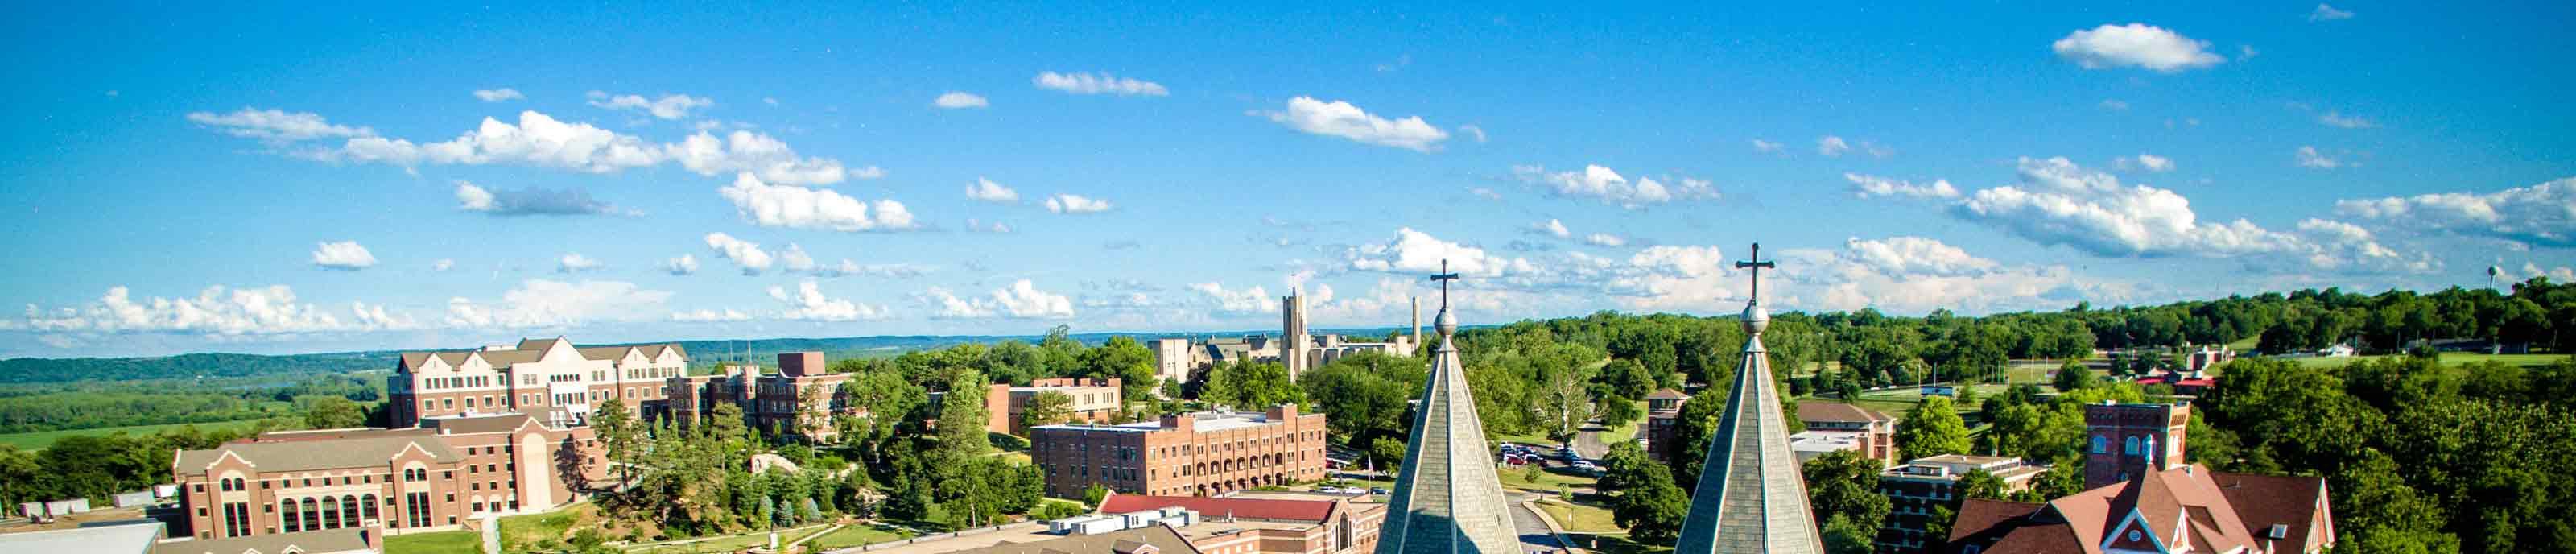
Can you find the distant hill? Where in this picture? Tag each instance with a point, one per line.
(701, 352)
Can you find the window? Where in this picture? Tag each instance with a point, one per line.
(312, 515)
(2130, 446)
(288, 516)
(369, 505)
(330, 514)
(348, 511)
(2100, 444)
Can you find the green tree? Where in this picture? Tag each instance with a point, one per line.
(962, 419)
(1365, 396)
(1625, 463)
(1126, 360)
(1387, 453)
(1094, 494)
(1932, 428)
(1627, 378)
(1843, 535)
(1047, 408)
(1692, 429)
(333, 412)
(1619, 411)
(1978, 483)
(622, 437)
(1844, 485)
(1652, 507)
(2072, 375)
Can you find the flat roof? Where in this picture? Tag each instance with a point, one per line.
(1206, 421)
(136, 538)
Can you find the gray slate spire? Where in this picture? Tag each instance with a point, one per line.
(1751, 496)
(1447, 498)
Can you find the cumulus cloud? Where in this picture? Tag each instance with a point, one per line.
(989, 191)
(1076, 204)
(1552, 228)
(276, 126)
(2542, 214)
(1236, 301)
(216, 310)
(1765, 146)
(956, 100)
(768, 157)
(797, 207)
(1605, 239)
(1098, 83)
(744, 253)
(499, 95)
(541, 303)
(2334, 119)
(1341, 119)
(1021, 300)
(710, 316)
(1473, 131)
(1832, 145)
(807, 303)
(980, 226)
(443, 264)
(2135, 45)
(537, 140)
(2328, 13)
(685, 264)
(2145, 162)
(1914, 255)
(529, 201)
(1866, 186)
(574, 262)
(343, 255)
(2060, 203)
(2310, 158)
(1916, 275)
(1610, 187)
(1418, 252)
(669, 106)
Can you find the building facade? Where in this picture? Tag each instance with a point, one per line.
(1663, 418)
(801, 400)
(428, 478)
(1182, 455)
(2122, 439)
(1093, 401)
(1920, 487)
(1873, 433)
(1267, 525)
(533, 375)
(2158, 504)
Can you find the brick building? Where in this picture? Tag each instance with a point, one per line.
(1872, 433)
(534, 375)
(1916, 489)
(421, 479)
(800, 400)
(1094, 401)
(1245, 525)
(1663, 415)
(2120, 438)
(1182, 455)
(2156, 502)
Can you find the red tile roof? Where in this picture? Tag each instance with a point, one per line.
(1837, 411)
(2222, 512)
(1214, 508)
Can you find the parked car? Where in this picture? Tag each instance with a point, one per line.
(1377, 490)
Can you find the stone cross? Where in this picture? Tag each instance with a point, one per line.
(1757, 264)
(1444, 277)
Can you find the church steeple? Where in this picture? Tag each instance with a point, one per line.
(1751, 496)
(1447, 498)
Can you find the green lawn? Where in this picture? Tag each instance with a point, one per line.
(443, 542)
(729, 543)
(40, 439)
(1625, 432)
(1581, 518)
(2450, 358)
(855, 535)
(521, 530)
(1546, 481)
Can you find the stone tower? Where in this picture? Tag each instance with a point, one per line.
(1293, 340)
(1751, 496)
(1447, 498)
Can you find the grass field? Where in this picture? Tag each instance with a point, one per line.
(40, 439)
(1546, 481)
(2450, 358)
(444, 542)
(728, 543)
(855, 535)
(1581, 518)
(522, 530)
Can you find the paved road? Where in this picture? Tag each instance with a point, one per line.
(1588, 441)
(1535, 537)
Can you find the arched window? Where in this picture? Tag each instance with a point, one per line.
(2130, 447)
(330, 514)
(348, 511)
(369, 504)
(287, 515)
(2101, 445)
(312, 515)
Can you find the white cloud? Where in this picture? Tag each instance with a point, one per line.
(2115, 104)
(575, 263)
(2328, 13)
(1473, 131)
(2333, 119)
(499, 95)
(529, 201)
(2542, 214)
(989, 191)
(347, 255)
(1098, 83)
(807, 303)
(1609, 186)
(1486, 193)
(276, 126)
(1605, 239)
(1021, 300)
(2143, 161)
(1254, 300)
(2310, 158)
(955, 100)
(1760, 145)
(538, 140)
(669, 106)
(2562, 274)
(797, 207)
(981, 227)
(772, 159)
(795, 259)
(745, 253)
(1832, 145)
(1076, 204)
(2061, 203)
(1552, 228)
(849, 268)
(773, 102)
(684, 265)
(1914, 255)
(710, 316)
(1418, 252)
(1921, 277)
(2135, 45)
(1866, 186)
(217, 310)
(545, 303)
(1341, 119)
(443, 264)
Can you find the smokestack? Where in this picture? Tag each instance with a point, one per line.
(1417, 321)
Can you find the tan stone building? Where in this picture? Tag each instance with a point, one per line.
(1244, 525)
(1094, 401)
(534, 375)
(1182, 455)
(421, 479)
(1867, 431)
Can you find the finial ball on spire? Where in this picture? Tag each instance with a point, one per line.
(1756, 319)
(1445, 323)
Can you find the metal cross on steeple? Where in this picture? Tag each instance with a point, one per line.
(1444, 277)
(1757, 264)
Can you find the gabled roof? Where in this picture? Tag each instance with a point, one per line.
(353, 539)
(1837, 411)
(1207, 507)
(2215, 512)
(2263, 501)
(1667, 394)
(467, 425)
(310, 455)
(1161, 537)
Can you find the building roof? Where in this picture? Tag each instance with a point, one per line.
(2199, 504)
(529, 350)
(353, 539)
(1447, 498)
(309, 455)
(1667, 394)
(1751, 496)
(473, 424)
(2263, 501)
(1836, 411)
(109, 539)
(1988, 516)
(1161, 537)
(1210, 507)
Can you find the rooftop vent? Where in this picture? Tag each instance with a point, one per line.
(2278, 531)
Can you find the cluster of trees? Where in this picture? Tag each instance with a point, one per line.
(99, 466)
(92, 405)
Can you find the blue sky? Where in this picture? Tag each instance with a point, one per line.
(439, 177)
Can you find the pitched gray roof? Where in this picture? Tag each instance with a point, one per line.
(1751, 496)
(1163, 538)
(1447, 498)
(352, 539)
(498, 423)
(311, 455)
